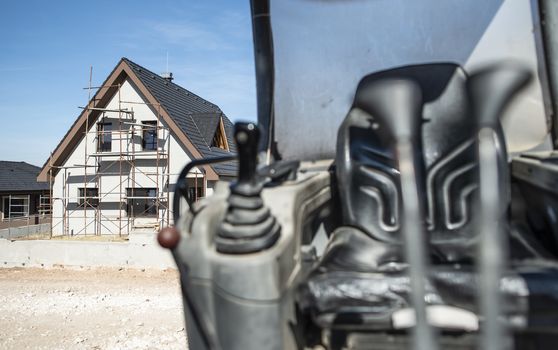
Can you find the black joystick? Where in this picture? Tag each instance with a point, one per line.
(248, 226)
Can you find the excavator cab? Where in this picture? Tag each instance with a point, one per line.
(398, 190)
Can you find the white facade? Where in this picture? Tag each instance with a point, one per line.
(114, 173)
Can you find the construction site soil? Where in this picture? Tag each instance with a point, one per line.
(90, 309)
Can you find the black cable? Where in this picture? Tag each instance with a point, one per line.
(181, 188)
(207, 333)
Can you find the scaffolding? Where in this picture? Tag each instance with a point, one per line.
(125, 164)
(44, 207)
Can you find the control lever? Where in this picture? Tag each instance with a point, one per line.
(490, 91)
(246, 136)
(248, 226)
(396, 105)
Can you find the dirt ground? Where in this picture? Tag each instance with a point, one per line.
(90, 309)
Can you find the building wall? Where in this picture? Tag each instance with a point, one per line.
(112, 218)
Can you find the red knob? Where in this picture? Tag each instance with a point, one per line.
(168, 237)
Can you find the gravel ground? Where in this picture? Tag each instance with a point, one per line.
(90, 309)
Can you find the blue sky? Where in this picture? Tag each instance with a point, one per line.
(47, 47)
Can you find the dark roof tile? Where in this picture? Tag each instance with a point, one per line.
(20, 176)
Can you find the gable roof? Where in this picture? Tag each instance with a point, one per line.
(197, 117)
(188, 116)
(20, 176)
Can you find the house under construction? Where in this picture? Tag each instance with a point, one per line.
(115, 169)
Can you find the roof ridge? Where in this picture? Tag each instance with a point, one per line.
(19, 162)
(127, 60)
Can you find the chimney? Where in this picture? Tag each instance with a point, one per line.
(167, 76)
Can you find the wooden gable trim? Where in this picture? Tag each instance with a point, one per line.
(74, 135)
(102, 97)
(220, 138)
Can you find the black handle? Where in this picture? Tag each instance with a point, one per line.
(247, 136)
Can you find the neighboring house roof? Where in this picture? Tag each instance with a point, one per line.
(19, 177)
(191, 118)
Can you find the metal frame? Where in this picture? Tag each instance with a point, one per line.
(263, 51)
(548, 20)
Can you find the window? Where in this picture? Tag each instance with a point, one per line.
(195, 193)
(195, 188)
(141, 202)
(220, 137)
(149, 140)
(88, 196)
(15, 206)
(104, 137)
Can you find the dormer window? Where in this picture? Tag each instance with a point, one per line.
(220, 137)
